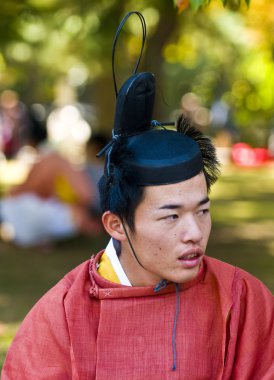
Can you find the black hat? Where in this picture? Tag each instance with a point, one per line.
(161, 157)
(157, 155)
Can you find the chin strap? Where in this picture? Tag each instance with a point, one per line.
(131, 246)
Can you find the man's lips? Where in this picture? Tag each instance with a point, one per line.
(191, 253)
(191, 257)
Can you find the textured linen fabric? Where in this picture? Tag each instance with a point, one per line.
(89, 328)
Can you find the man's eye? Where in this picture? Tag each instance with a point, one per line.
(204, 211)
(171, 217)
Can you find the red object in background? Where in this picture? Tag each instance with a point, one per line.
(244, 155)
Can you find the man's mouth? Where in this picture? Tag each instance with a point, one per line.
(191, 258)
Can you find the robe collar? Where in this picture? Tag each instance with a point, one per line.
(111, 253)
(102, 289)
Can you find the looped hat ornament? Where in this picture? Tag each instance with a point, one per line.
(158, 155)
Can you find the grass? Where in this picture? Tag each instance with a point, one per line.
(242, 234)
(243, 221)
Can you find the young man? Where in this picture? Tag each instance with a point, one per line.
(151, 305)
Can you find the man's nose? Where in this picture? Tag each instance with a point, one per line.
(191, 230)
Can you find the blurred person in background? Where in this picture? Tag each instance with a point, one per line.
(94, 166)
(57, 200)
(13, 123)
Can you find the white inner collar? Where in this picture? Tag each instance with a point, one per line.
(115, 262)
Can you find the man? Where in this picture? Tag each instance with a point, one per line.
(151, 305)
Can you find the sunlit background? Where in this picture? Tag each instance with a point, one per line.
(221, 56)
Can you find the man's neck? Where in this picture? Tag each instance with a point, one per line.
(137, 275)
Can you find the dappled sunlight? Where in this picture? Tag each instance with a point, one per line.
(244, 183)
(6, 329)
(261, 231)
(256, 231)
(12, 172)
(243, 220)
(242, 210)
(224, 191)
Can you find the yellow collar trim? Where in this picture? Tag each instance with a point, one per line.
(106, 269)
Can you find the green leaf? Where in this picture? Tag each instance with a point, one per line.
(196, 4)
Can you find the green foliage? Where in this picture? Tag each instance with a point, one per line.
(196, 4)
(215, 52)
(234, 4)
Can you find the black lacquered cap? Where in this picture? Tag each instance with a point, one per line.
(134, 104)
(159, 157)
(156, 155)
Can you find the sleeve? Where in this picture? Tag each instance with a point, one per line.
(41, 348)
(251, 330)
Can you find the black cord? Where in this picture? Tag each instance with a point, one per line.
(131, 246)
(143, 22)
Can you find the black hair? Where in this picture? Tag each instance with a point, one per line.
(211, 163)
(119, 192)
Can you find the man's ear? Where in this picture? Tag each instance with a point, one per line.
(113, 226)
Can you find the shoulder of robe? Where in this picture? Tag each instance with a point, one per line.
(252, 287)
(233, 278)
(74, 281)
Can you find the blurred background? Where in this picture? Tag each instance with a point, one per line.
(216, 64)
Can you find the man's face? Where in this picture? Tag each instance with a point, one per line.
(172, 227)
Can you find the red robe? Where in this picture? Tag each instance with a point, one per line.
(89, 328)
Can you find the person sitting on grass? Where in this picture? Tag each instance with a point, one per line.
(57, 200)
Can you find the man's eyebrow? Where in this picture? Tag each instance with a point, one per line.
(170, 207)
(203, 201)
(173, 206)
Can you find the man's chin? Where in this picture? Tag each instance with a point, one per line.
(186, 275)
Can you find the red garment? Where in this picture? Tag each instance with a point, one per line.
(89, 328)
